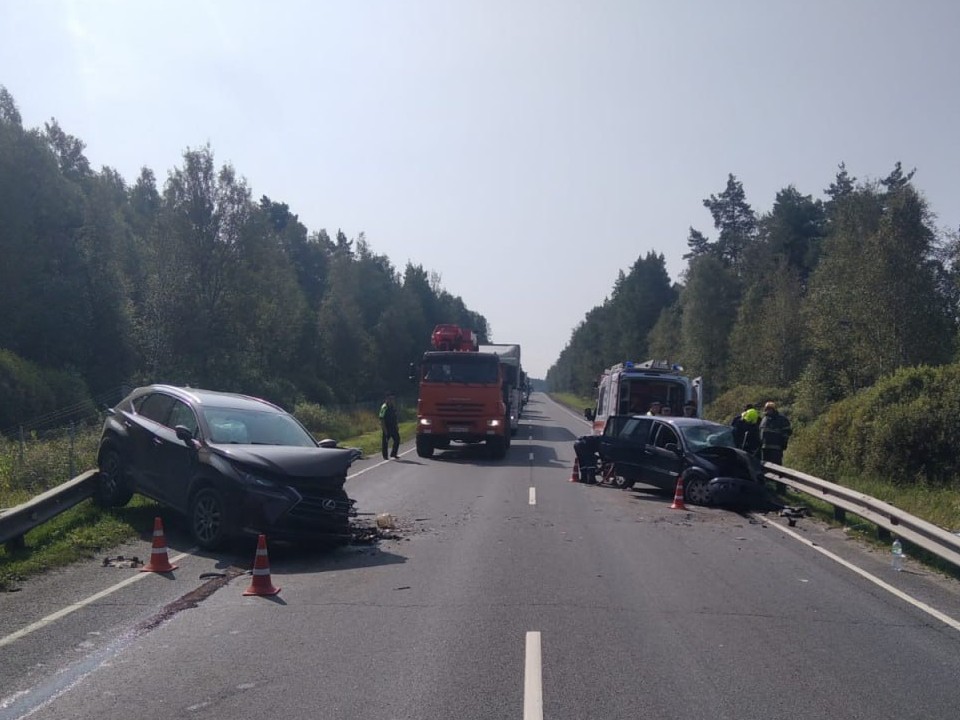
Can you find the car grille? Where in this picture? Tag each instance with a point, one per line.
(319, 506)
(460, 409)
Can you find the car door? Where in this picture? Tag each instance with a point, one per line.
(144, 426)
(625, 443)
(663, 465)
(175, 459)
(151, 421)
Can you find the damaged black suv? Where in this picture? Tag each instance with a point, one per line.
(656, 451)
(230, 463)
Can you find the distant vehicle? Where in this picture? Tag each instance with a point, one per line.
(509, 355)
(462, 395)
(631, 388)
(658, 450)
(230, 463)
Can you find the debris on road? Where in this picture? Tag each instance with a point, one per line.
(122, 562)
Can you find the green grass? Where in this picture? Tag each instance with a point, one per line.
(576, 403)
(86, 530)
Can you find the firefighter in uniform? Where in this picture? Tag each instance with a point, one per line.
(774, 432)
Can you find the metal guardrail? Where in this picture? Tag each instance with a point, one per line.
(17, 521)
(886, 517)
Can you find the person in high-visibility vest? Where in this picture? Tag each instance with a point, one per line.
(389, 426)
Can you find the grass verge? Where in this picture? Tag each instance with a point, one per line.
(575, 402)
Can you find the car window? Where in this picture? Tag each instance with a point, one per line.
(181, 414)
(156, 407)
(665, 436)
(614, 426)
(699, 437)
(255, 427)
(637, 429)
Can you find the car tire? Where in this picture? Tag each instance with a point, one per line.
(424, 447)
(113, 489)
(696, 490)
(620, 482)
(208, 518)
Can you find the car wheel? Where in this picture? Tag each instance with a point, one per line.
(113, 489)
(619, 481)
(424, 447)
(696, 491)
(208, 518)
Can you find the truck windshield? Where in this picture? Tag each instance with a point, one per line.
(460, 372)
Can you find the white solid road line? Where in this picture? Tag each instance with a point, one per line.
(533, 679)
(533, 496)
(63, 612)
(933, 612)
(379, 464)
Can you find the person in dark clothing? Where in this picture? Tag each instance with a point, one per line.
(389, 426)
(587, 449)
(739, 424)
(774, 433)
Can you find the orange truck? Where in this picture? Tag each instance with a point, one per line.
(461, 395)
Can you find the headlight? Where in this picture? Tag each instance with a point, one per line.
(493, 423)
(426, 421)
(252, 479)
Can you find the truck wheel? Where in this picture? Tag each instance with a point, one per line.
(424, 447)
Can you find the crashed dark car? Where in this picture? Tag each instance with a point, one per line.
(656, 451)
(231, 464)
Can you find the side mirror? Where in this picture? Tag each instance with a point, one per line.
(673, 447)
(588, 414)
(183, 432)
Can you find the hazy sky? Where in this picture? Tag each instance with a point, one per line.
(525, 150)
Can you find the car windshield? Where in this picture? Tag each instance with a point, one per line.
(233, 426)
(699, 437)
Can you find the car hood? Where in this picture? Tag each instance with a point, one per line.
(724, 461)
(294, 462)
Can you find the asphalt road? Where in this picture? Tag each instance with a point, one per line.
(506, 585)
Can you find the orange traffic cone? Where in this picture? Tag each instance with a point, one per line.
(575, 473)
(159, 562)
(261, 584)
(678, 496)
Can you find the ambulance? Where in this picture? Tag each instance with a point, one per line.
(630, 388)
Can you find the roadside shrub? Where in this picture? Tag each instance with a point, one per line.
(732, 401)
(30, 392)
(903, 430)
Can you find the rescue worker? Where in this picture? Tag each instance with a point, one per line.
(689, 409)
(739, 425)
(751, 431)
(587, 449)
(774, 433)
(389, 426)
(654, 408)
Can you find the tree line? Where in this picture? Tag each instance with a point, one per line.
(189, 282)
(821, 296)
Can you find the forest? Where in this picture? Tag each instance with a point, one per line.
(189, 281)
(815, 300)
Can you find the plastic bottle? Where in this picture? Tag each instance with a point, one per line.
(897, 551)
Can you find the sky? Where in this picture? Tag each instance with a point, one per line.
(527, 151)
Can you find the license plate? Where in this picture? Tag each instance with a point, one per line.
(459, 429)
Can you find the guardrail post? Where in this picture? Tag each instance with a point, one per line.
(21, 444)
(73, 436)
(14, 544)
(839, 514)
(883, 534)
